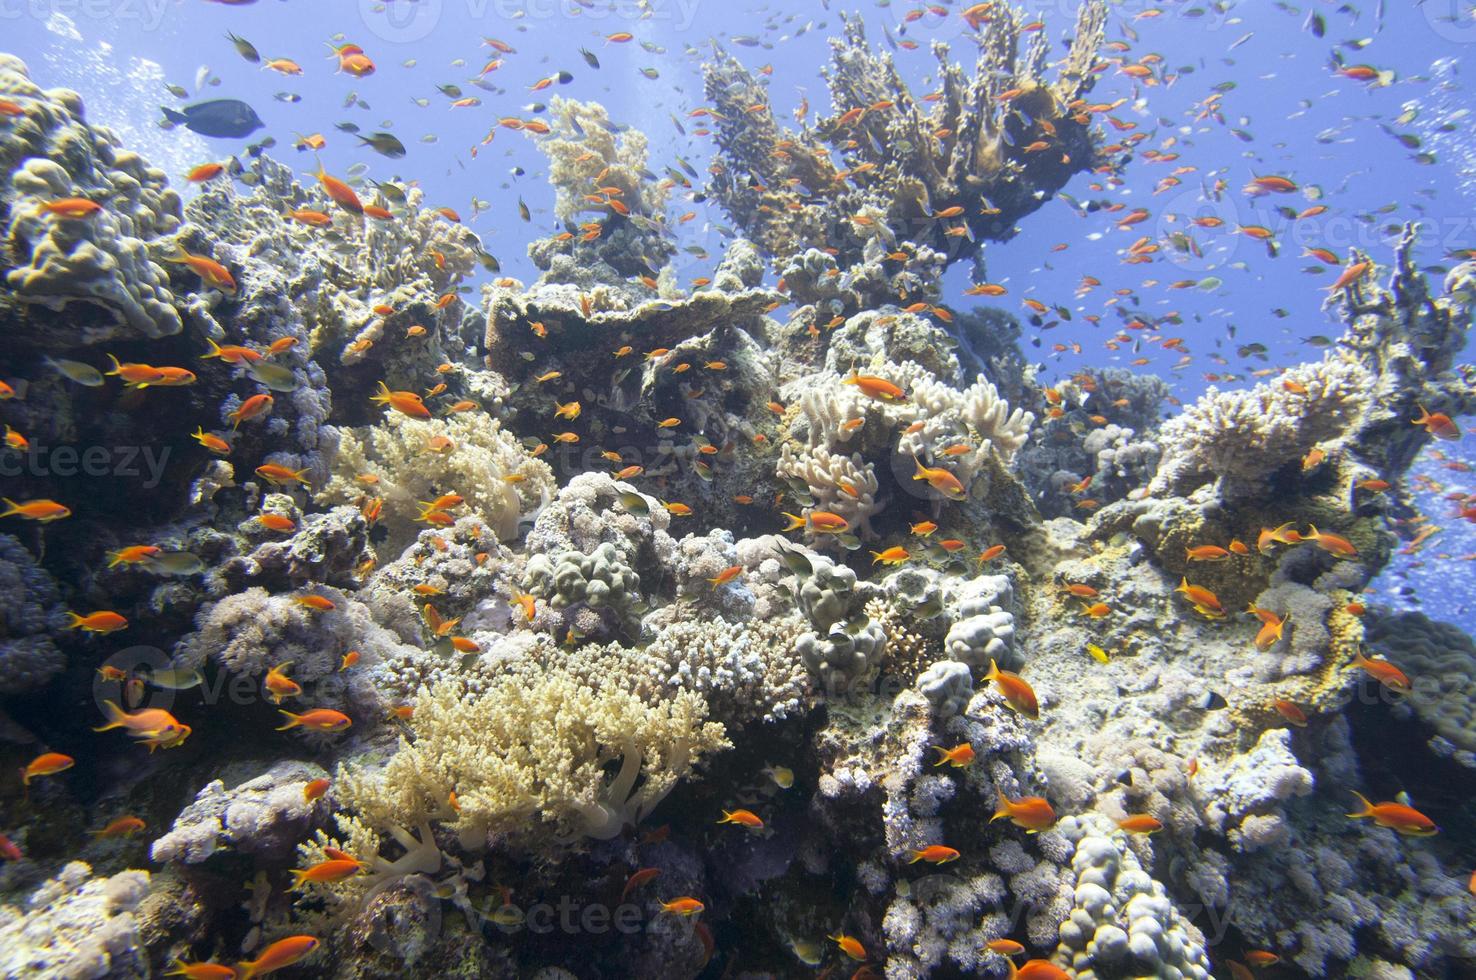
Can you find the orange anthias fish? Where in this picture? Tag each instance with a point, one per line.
(873, 387)
(1396, 816)
(252, 407)
(1283, 534)
(818, 521)
(686, 905)
(279, 686)
(282, 953)
(405, 402)
(318, 720)
(121, 827)
(154, 727)
(745, 818)
(46, 764)
(1202, 598)
(1032, 813)
(895, 555)
(958, 757)
(339, 192)
(326, 872)
(850, 945)
(1384, 672)
(202, 971)
(1333, 544)
(726, 575)
(1036, 970)
(314, 789)
(1140, 823)
(1004, 947)
(35, 510)
(104, 621)
(211, 272)
(1438, 425)
(941, 480)
(1206, 552)
(638, 878)
(1017, 693)
(934, 854)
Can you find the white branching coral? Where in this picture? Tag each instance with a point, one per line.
(534, 749)
(417, 460)
(583, 146)
(844, 485)
(1243, 436)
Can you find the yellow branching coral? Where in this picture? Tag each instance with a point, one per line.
(414, 460)
(525, 751)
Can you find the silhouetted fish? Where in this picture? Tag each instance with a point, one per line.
(218, 118)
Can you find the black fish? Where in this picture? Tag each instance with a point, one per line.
(219, 118)
(386, 144)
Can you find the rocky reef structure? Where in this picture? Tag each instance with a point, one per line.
(890, 170)
(706, 623)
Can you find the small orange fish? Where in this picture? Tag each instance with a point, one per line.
(405, 402)
(1290, 711)
(850, 945)
(958, 757)
(1017, 692)
(326, 872)
(104, 621)
(1283, 534)
(1384, 672)
(636, 880)
(726, 575)
(202, 971)
(1199, 596)
(280, 475)
(279, 686)
(941, 480)
(934, 854)
(72, 207)
(251, 408)
(1206, 552)
(318, 719)
(121, 827)
(1260, 957)
(1396, 816)
(990, 553)
(873, 387)
(1033, 813)
(818, 521)
(314, 789)
(746, 818)
(317, 603)
(895, 555)
(35, 510)
(1004, 947)
(683, 906)
(282, 953)
(1333, 544)
(46, 764)
(1140, 823)
(1438, 425)
(276, 522)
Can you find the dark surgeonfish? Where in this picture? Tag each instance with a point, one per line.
(218, 118)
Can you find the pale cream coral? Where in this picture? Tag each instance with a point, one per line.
(1245, 435)
(485, 464)
(528, 750)
(844, 485)
(582, 147)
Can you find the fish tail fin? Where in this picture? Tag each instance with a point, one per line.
(942, 754)
(1004, 806)
(382, 394)
(74, 621)
(116, 366)
(11, 507)
(292, 720)
(1312, 534)
(795, 523)
(916, 857)
(114, 714)
(993, 670)
(921, 473)
(174, 115)
(1366, 807)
